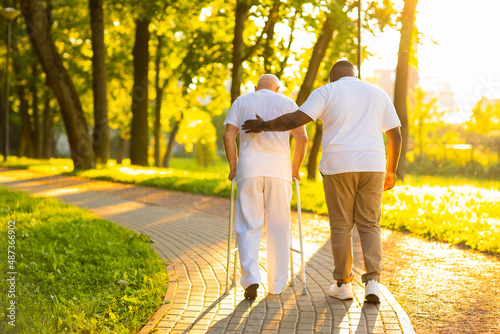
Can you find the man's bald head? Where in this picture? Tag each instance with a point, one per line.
(342, 68)
(268, 81)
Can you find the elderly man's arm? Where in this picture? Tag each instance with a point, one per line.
(285, 122)
(299, 152)
(393, 153)
(229, 139)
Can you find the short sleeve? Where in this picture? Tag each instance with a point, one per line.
(391, 119)
(233, 115)
(315, 105)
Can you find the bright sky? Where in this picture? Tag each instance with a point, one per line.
(467, 53)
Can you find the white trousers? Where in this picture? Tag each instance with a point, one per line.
(259, 201)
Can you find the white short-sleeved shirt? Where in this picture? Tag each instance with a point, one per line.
(262, 154)
(354, 114)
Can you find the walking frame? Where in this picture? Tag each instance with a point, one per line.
(235, 250)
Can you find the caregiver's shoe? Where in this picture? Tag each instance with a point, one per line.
(341, 291)
(372, 291)
(251, 291)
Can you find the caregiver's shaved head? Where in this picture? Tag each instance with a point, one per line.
(342, 68)
(268, 81)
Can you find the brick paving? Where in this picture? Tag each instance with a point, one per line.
(190, 234)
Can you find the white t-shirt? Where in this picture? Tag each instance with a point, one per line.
(262, 154)
(354, 114)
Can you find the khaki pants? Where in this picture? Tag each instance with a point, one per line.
(355, 198)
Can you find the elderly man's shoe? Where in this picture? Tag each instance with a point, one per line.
(251, 291)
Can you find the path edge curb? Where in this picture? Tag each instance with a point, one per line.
(403, 318)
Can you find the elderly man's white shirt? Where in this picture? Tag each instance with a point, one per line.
(264, 154)
(354, 115)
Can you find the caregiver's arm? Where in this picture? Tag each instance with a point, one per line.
(393, 153)
(285, 122)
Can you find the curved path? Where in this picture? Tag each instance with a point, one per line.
(190, 234)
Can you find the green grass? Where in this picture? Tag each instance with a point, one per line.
(69, 263)
(452, 209)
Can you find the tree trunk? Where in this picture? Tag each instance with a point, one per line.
(47, 127)
(26, 141)
(26, 145)
(171, 143)
(2, 108)
(140, 129)
(100, 137)
(318, 54)
(122, 149)
(268, 52)
(38, 28)
(313, 155)
(242, 8)
(159, 97)
(401, 84)
(37, 129)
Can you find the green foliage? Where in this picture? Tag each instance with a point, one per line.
(485, 117)
(458, 211)
(69, 263)
(438, 148)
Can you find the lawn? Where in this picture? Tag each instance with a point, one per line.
(455, 210)
(75, 272)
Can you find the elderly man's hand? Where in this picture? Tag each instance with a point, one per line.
(253, 125)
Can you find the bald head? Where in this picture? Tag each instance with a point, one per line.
(268, 81)
(342, 68)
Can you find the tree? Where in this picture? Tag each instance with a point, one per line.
(100, 137)
(484, 124)
(140, 130)
(241, 14)
(401, 84)
(58, 79)
(196, 67)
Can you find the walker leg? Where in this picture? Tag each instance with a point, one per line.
(230, 237)
(234, 265)
(299, 213)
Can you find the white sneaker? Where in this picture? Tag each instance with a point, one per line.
(342, 292)
(372, 291)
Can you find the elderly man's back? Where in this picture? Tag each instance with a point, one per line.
(267, 154)
(264, 176)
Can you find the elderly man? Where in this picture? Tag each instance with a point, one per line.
(354, 115)
(264, 176)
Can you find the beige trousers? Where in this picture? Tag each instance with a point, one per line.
(355, 198)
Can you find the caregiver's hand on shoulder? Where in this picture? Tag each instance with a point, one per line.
(253, 125)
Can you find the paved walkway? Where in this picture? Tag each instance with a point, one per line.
(190, 234)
